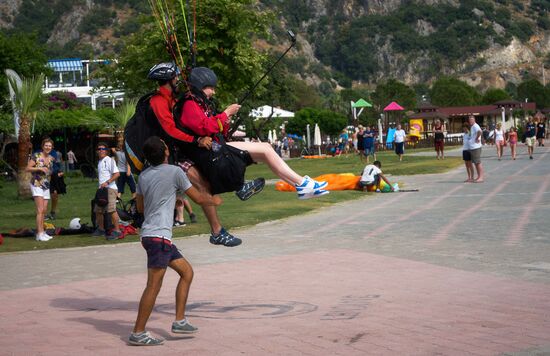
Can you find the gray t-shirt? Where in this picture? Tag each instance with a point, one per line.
(158, 185)
(121, 161)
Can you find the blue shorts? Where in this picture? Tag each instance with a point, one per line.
(369, 150)
(160, 252)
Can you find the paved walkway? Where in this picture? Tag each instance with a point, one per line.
(453, 269)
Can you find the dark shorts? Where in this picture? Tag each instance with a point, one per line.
(399, 148)
(366, 184)
(439, 145)
(159, 252)
(466, 155)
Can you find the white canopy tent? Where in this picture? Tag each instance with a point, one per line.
(266, 111)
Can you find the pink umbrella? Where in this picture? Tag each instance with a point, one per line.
(393, 106)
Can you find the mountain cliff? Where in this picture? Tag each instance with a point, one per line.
(349, 42)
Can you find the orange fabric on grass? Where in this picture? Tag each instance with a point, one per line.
(342, 181)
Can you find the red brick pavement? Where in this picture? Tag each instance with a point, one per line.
(337, 302)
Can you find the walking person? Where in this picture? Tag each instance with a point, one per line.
(513, 141)
(71, 159)
(40, 166)
(156, 197)
(541, 132)
(399, 138)
(360, 141)
(369, 136)
(126, 176)
(499, 140)
(530, 136)
(439, 139)
(475, 148)
(108, 173)
(466, 156)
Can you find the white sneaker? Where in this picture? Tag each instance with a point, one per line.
(309, 187)
(42, 237)
(49, 237)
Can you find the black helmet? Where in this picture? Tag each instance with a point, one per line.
(202, 77)
(163, 71)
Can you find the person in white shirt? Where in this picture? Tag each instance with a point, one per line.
(466, 156)
(399, 138)
(372, 175)
(499, 140)
(108, 173)
(475, 148)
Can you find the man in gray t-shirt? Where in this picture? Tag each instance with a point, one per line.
(156, 198)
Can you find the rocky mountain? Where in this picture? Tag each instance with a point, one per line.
(341, 42)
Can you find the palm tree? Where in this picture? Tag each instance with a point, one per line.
(28, 102)
(122, 115)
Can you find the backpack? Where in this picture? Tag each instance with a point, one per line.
(142, 125)
(102, 197)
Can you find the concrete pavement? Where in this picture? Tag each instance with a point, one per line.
(453, 269)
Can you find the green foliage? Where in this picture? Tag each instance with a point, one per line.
(393, 90)
(491, 96)
(85, 117)
(40, 16)
(23, 54)
(448, 91)
(330, 123)
(224, 32)
(533, 90)
(97, 18)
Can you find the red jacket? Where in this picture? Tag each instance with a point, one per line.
(162, 104)
(199, 119)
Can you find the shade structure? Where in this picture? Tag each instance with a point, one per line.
(361, 103)
(317, 138)
(274, 136)
(270, 137)
(393, 106)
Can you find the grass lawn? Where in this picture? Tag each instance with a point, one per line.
(268, 205)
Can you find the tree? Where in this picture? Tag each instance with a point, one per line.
(493, 95)
(23, 54)
(28, 101)
(330, 123)
(448, 91)
(393, 90)
(534, 91)
(224, 44)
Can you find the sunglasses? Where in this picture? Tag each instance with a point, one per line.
(103, 149)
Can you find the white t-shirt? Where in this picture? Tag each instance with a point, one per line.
(465, 142)
(106, 167)
(369, 173)
(473, 136)
(399, 136)
(499, 135)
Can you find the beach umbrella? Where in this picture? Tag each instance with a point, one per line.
(317, 138)
(274, 136)
(308, 142)
(361, 103)
(269, 137)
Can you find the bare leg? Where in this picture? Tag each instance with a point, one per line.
(114, 220)
(184, 269)
(99, 221)
(179, 209)
(479, 169)
(149, 297)
(54, 199)
(263, 152)
(39, 203)
(187, 206)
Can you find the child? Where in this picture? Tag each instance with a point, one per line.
(513, 141)
(156, 198)
(372, 176)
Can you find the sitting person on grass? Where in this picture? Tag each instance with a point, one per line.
(372, 177)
